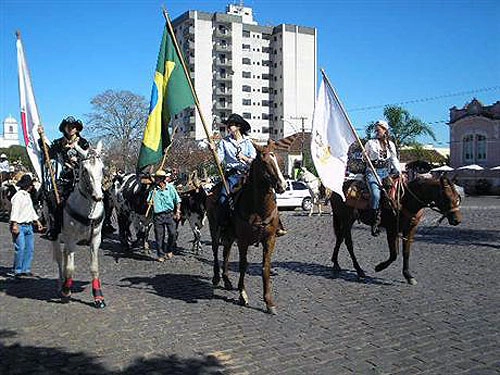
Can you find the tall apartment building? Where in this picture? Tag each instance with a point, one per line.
(266, 74)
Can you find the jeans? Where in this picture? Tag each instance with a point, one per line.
(24, 246)
(374, 187)
(232, 181)
(161, 221)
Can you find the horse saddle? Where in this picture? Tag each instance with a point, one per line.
(358, 195)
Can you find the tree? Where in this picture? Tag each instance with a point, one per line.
(405, 129)
(118, 117)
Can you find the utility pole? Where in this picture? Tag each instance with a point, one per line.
(303, 119)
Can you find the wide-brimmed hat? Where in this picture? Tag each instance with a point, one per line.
(3, 156)
(71, 121)
(382, 124)
(238, 121)
(25, 182)
(161, 174)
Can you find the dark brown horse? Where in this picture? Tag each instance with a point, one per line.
(254, 220)
(437, 194)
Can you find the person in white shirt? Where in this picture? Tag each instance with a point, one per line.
(22, 219)
(383, 155)
(4, 164)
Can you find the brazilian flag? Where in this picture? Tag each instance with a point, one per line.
(170, 95)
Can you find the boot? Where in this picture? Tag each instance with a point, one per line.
(281, 231)
(375, 222)
(223, 218)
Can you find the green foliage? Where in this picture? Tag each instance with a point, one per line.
(404, 128)
(17, 154)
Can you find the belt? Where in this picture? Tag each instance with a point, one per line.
(164, 212)
(28, 223)
(380, 163)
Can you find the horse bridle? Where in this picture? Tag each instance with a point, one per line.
(87, 183)
(432, 205)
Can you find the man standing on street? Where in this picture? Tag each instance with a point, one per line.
(167, 208)
(22, 219)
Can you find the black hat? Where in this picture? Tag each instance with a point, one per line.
(71, 121)
(238, 121)
(25, 182)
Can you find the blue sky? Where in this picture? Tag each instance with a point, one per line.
(374, 52)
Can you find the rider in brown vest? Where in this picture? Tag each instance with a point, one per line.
(382, 153)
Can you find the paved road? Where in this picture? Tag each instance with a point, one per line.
(167, 319)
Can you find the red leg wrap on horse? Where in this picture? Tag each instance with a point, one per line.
(96, 289)
(68, 283)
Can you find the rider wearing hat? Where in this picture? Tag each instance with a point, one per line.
(167, 208)
(64, 151)
(383, 155)
(236, 151)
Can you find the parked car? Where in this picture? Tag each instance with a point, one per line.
(297, 194)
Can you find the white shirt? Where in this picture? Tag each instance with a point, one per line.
(374, 152)
(22, 208)
(4, 166)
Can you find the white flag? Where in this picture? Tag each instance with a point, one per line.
(30, 118)
(330, 139)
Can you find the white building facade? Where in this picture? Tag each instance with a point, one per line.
(266, 74)
(10, 136)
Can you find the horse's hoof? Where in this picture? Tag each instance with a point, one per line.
(243, 302)
(336, 268)
(99, 304)
(272, 310)
(215, 280)
(65, 299)
(412, 281)
(228, 285)
(361, 275)
(378, 268)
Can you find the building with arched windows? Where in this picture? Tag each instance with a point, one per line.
(10, 136)
(475, 135)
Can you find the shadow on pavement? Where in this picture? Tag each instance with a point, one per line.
(184, 287)
(314, 269)
(20, 359)
(456, 236)
(37, 288)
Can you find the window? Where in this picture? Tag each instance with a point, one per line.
(266, 49)
(480, 147)
(266, 36)
(247, 102)
(246, 47)
(265, 116)
(246, 34)
(247, 88)
(266, 103)
(265, 89)
(247, 74)
(266, 62)
(468, 152)
(266, 76)
(246, 115)
(246, 61)
(265, 130)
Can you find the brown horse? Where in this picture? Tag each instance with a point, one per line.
(254, 220)
(437, 194)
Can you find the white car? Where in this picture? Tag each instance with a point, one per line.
(297, 194)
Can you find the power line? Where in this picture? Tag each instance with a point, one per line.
(428, 99)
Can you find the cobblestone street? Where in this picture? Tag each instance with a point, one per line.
(166, 318)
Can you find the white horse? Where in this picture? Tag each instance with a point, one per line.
(83, 216)
(314, 184)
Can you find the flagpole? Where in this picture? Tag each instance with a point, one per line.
(196, 101)
(368, 161)
(40, 128)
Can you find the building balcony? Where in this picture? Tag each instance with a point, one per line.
(226, 34)
(223, 77)
(223, 92)
(226, 62)
(222, 106)
(223, 48)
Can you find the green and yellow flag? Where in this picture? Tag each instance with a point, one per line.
(170, 95)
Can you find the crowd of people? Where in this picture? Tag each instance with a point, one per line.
(236, 152)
